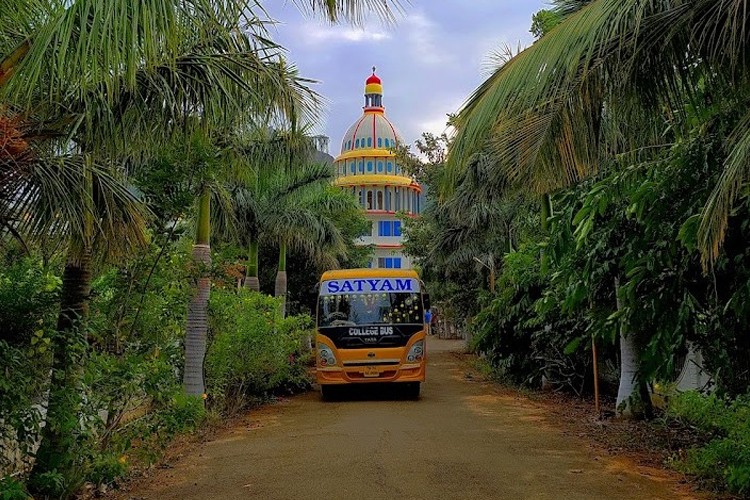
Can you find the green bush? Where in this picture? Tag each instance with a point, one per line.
(725, 458)
(10, 489)
(254, 351)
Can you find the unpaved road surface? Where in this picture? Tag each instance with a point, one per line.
(464, 439)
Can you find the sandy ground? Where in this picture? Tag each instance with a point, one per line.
(464, 439)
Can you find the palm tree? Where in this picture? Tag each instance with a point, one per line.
(293, 210)
(85, 119)
(598, 88)
(602, 83)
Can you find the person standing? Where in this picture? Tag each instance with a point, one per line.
(428, 321)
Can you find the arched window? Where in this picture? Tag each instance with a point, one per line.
(369, 199)
(356, 143)
(369, 166)
(388, 198)
(380, 142)
(379, 204)
(369, 142)
(380, 167)
(387, 143)
(352, 167)
(397, 195)
(361, 167)
(390, 167)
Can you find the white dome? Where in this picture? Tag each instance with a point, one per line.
(372, 131)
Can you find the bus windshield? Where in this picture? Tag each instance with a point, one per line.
(357, 309)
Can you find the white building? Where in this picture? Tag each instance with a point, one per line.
(367, 166)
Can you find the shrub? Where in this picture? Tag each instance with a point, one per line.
(254, 352)
(10, 489)
(725, 458)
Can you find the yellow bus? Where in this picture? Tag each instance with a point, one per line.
(370, 328)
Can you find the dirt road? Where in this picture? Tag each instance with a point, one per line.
(462, 440)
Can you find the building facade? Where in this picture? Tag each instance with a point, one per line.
(368, 167)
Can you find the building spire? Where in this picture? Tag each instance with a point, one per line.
(373, 91)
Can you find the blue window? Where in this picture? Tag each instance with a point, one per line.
(356, 143)
(380, 166)
(349, 145)
(380, 142)
(387, 143)
(389, 228)
(352, 167)
(390, 167)
(388, 263)
(397, 262)
(361, 167)
(369, 142)
(369, 166)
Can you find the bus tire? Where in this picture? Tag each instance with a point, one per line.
(412, 390)
(329, 392)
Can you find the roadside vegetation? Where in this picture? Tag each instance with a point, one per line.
(594, 196)
(151, 189)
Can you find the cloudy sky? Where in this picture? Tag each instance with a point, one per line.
(430, 61)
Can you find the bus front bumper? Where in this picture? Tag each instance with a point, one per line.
(371, 373)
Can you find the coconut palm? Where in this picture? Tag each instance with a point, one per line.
(293, 210)
(602, 82)
(598, 88)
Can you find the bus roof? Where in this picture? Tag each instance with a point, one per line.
(368, 273)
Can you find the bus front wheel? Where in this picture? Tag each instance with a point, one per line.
(329, 392)
(412, 390)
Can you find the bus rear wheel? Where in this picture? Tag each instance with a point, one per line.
(412, 389)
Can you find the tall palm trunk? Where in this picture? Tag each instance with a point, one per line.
(251, 274)
(197, 320)
(281, 283)
(633, 399)
(56, 450)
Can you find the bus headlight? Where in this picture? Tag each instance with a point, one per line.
(416, 353)
(325, 354)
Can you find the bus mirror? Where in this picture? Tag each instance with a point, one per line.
(426, 301)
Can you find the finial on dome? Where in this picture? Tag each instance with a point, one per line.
(373, 91)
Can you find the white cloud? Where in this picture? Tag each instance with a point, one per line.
(317, 34)
(420, 32)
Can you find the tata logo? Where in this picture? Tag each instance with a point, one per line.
(370, 354)
(370, 286)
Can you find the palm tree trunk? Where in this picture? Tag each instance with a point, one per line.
(251, 274)
(633, 400)
(197, 320)
(281, 283)
(546, 214)
(56, 450)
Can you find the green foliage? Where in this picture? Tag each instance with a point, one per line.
(28, 295)
(254, 352)
(11, 489)
(543, 21)
(725, 458)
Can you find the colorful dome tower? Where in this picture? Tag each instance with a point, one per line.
(367, 166)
